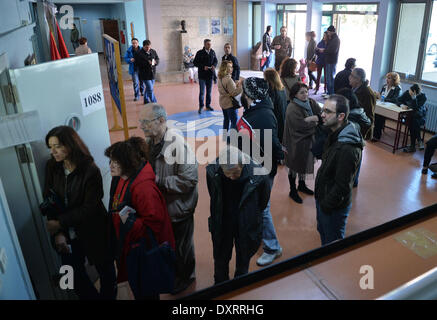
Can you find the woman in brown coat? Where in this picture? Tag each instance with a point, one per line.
(228, 88)
(302, 116)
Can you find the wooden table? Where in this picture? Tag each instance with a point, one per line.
(400, 116)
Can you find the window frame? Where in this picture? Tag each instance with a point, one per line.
(418, 76)
(335, 11)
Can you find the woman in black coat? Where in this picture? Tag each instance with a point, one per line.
(414, 99)
(77, 218)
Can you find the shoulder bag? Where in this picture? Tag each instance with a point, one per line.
(235, 102)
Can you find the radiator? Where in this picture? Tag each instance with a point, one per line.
(431, 116)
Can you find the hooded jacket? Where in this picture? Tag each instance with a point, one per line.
(129, 55)
(340, 160)
(151, 211)
(358, 116)
(254, 199)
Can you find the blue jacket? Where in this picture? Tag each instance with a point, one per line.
(320, 56)
(129, 55)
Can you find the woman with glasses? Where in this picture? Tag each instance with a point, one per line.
(135, 202)
(78, 220)
(301, 118)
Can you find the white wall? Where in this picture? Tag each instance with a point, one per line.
(244, 33)
(135, 13)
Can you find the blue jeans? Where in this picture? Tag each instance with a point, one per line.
(83, 286)
(270, 240)
(230, 115)
(138, 85)
(149, 95)
(330, 72)
(331, 226)
(202, 84)
(267, 63)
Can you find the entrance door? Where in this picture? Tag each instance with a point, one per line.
(110, 27)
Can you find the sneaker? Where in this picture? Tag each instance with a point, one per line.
(267, 258)
(209, 108)
(409, 149)
(421, 145)
(200, 110)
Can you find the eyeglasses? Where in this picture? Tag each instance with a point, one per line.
(145, 122)
(327, 111)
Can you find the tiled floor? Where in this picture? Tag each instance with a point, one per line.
(391, 185)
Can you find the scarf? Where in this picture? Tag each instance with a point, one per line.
(305, 105)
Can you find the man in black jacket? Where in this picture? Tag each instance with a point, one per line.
(342, 78)
(331, 58)
(259, 119)
(146, 60)
(229, 57)
(206, 62)
(238, 198)
(267, 47)
(340, 160)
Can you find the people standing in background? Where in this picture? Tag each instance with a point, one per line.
(235, 65)
(311, 51)
(279, 98)
(341, 156)
(414, 99)
(206, 62)
(267, 48)
(147, 59)
(366, 97)
(321, 64)
(342, 78)
(301, 119)
(74, 37)
(133, 68)
(331, 57)
(177, 181)
(83, 47)
(81, 227)
(288, 75)
(283, 47)
(227, 89)
(189, 64)
(390, 92)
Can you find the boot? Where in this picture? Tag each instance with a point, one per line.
(303, 188)
(293, 192)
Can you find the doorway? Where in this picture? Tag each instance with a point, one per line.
(296, 28)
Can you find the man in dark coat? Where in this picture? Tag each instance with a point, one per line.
(283, 47)
(267, 48)
(260, 122)
(236, 66)
(206, 62)
(331, 58)
(238, 198)
(340, 160)
(146, 60)
(342, 78)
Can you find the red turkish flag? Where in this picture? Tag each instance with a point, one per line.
(54, 53)
(62, 47)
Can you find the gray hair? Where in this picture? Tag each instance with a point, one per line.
(158, 110)
(360, 73)
(231, 157)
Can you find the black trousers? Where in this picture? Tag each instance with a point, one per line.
(379, 125)
(431, 146)
(185, 259)
(414, 131)
(312, 77)
(223, 253)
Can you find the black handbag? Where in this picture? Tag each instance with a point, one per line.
(151, 267)
(235, 103)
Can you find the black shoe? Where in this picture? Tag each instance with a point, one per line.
(136, 99)
(425, 171)
(293, 195)
(434, 176)
(410, 149)
(209, 108)
(303, 188)
(200, 110)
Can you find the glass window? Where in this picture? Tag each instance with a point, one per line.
(296, 7)
(357, 7)
(327, 7)
(429, 72)
(408, 37)
(280, 7)
(256, 23)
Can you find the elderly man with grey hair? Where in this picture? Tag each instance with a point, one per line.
(238, 198)
(175, 167)
(366, 97)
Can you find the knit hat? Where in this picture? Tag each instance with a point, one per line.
(255, 88)
(331, 29)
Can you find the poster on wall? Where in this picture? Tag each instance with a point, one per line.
(228, 25)
(215, 25)
(112, 72)
(203, 26)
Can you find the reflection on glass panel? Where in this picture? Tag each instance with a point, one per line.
(357, 7)
(430, 65)
(280, 7)
(326, 22)
(328, 7)
(408, 37)
(279, 23)
(256, 26)
(296, 25)
(294, 7)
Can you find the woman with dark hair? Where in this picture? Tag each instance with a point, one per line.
(83, 47)
(80, 224)
(133, 186)
(302, 116)
(278, 97)
(414, 99)
(311, 52)
(321, 61)
(287, 72)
